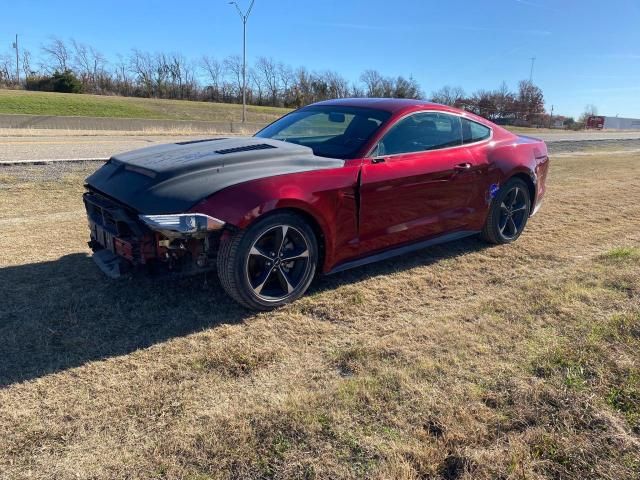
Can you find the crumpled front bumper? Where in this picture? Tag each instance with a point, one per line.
(122, 243)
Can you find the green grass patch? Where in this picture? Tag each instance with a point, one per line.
(625, 398)
(69, 104)
(66, 104)
(570, 365)
(620, 254)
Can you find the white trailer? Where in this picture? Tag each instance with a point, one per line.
(617, 123)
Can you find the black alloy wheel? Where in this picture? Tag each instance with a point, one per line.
(277, 263)
(514, 210)
(269, 264)
(508, 213)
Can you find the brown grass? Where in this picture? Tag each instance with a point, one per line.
(459, 362)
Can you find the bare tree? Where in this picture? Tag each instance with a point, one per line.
(257, 83)
(287, 79)
(302, 90)
(142, 66)
(215, 73)
(356, 91)
(7, 69)
(121, 74)
(337, 85)
(89, 64)
(374, 83)
(267, 69)
(26, 64)
(58, 54)
(233, 68)
(448, 95)
(176, 67)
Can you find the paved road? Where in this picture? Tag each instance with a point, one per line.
(584, 136)
(14, 148)
(64, 146)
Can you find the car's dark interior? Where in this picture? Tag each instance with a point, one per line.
(336, 132)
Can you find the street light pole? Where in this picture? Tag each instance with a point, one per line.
(244, 17)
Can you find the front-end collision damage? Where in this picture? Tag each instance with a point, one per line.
(144, 206)
(185, 225)
(124, 241)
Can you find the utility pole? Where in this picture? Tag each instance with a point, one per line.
(533, 61)
(15, 45)
(551, 118)
(244, 17)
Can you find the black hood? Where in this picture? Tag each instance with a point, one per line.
(172, 178)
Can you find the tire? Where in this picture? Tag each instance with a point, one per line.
(269, 264)
(508, 213)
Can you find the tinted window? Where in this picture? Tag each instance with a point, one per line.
(474, 132)
(331, 131)
(420, 132)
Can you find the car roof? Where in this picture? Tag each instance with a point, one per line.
(401, 106)
(393, 105)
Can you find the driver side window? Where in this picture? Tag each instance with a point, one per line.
(421, 132)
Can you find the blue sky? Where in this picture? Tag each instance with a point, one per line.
(587, 51)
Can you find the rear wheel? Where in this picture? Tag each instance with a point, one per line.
(508, 213)
(269, 264)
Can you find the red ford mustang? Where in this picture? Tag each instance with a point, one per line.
(328, 187)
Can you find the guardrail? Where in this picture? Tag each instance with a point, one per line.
(125, 124)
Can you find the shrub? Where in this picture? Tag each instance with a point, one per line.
(64, 82)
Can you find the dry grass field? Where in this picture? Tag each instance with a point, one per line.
(460, 362)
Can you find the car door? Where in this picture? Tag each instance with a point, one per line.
(422, 182)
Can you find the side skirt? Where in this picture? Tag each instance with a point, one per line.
(397, 251)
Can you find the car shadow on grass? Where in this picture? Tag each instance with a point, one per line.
(62, 314)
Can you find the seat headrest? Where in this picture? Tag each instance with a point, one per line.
(361, 127)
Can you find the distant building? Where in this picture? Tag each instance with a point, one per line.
(613, 123)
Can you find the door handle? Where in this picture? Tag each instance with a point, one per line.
(378, 160)
(462, 167)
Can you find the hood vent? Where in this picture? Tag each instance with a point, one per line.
(246, 148)
(189, 142)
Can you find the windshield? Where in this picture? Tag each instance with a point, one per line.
(331, 131)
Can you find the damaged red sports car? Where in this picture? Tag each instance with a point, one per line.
(328, 187)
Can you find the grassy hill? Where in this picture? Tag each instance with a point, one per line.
(69, 104)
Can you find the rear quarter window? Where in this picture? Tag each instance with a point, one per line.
(474, 132)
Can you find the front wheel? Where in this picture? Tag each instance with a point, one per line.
(508, 213)
(269, 264)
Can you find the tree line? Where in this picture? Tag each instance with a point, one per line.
(76, 67)
(71, 66)
(501, 104)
